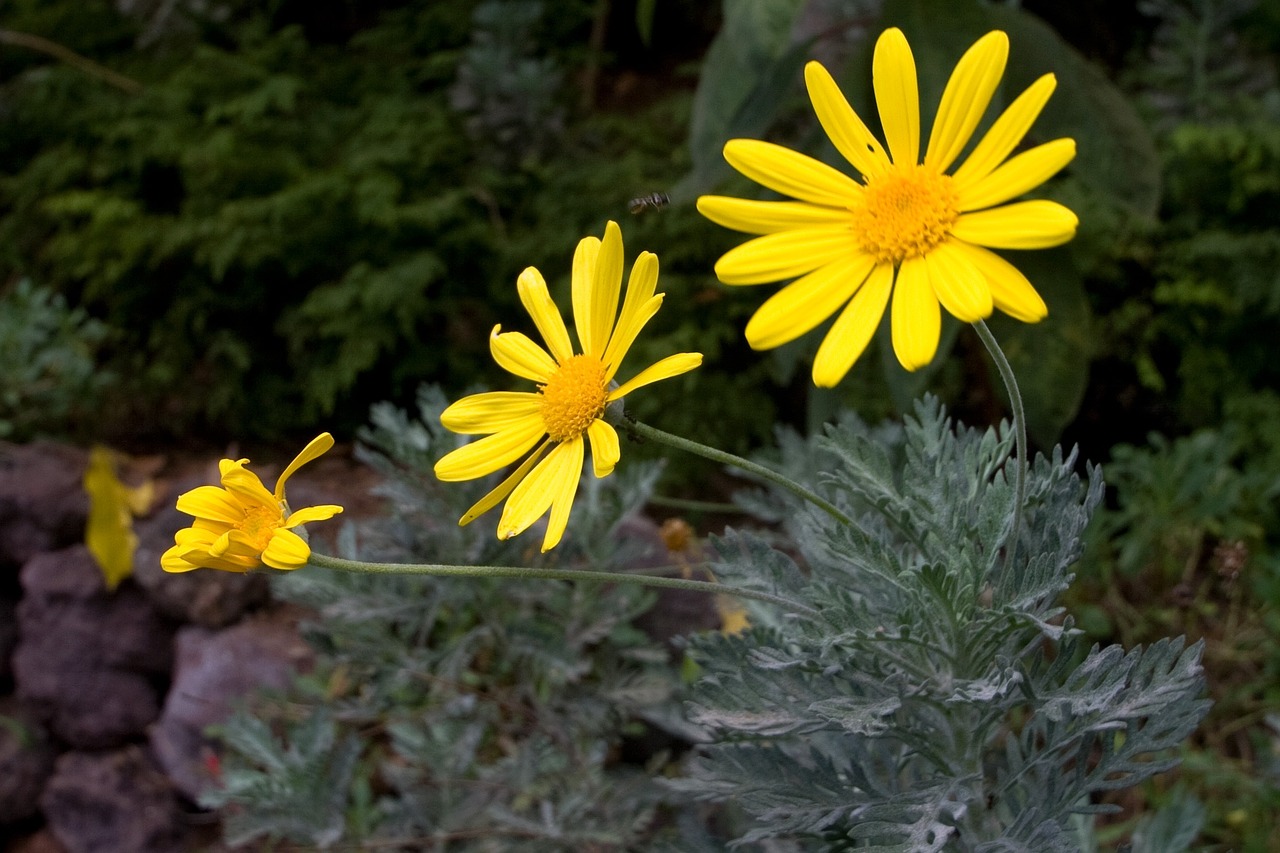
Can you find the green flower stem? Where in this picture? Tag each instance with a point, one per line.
(651, 433)
(1019, 433)
(324, 561)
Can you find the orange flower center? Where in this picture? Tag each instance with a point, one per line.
(573, 397)
(905, 213)
(259, 524)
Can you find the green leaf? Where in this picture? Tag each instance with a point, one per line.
(749, 71)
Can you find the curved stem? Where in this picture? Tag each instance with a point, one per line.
(1019, 433)
(325, 561)
(654, 434)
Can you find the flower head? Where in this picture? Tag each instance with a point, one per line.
(549, 427)
(241, 525)
(912, 228)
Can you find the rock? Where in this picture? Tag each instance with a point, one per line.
(205, 597)
(112, 801)
(26, 761)
(214, 670)
(8, 636)
(43, 506)
(88, 659)
(38, 842)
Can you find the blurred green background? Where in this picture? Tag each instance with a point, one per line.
(250, 221)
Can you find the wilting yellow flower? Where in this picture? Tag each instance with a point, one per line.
(909, 228)
(108, 532)
(573, 390)
(241, 525)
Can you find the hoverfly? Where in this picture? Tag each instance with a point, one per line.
(652, 201)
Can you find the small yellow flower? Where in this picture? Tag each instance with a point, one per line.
(548, 426)
(909, 227)
(241, 525)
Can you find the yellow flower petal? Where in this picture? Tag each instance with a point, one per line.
(504, 488)
(534, 496)
(518, 354)
(308, 514)
(672, 365)
(596, 286)
(786, 254)
(1034, 224)
(1011, 292)
(966, 97)
(286, 550)
(1028, 170)
(629, 327)
(1005, 133)
(916, 320)
(605, 449)
(791, 173)
(483, 457)
(317, 447)
(490, 412)
(566, 486)
(845, 130)
(244, 485)
(637, 309)
(546, 316)
(172, 560)
(211, 502)
(853, 329)
(893, 75)
(806, 302)
(768, 217)
(958, 284)
(584, 277)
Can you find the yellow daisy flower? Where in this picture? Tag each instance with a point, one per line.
(241, 525)
(909, 228)
(549, 425)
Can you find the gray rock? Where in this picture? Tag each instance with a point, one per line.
(215, 670)
(88, 659)
(112, 802)
(8, 634)
(42, 501)
(26, 761)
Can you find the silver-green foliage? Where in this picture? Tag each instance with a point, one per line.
(459, 714)
(48, 350)
(943, 701)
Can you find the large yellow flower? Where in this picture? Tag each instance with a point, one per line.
(573, 390)
(241, 525)
(909, 228)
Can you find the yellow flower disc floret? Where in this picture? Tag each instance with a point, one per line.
(906, 213)
(573, 397)
(259, 524)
